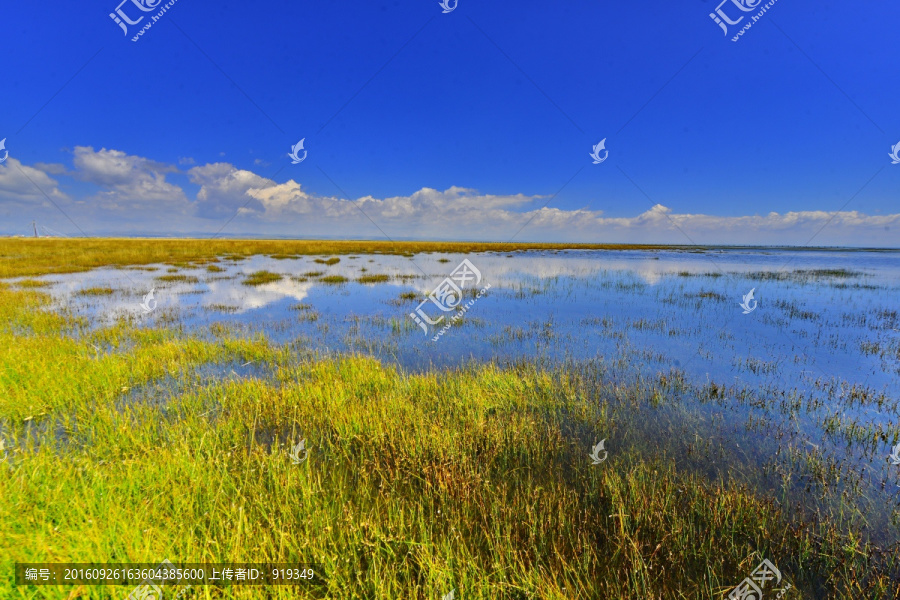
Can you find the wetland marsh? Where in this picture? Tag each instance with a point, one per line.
(133, 435)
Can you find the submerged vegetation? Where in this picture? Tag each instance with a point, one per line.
(134, 443)
(484, 488)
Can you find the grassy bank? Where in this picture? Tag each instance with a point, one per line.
(122, 450)
(41, 256)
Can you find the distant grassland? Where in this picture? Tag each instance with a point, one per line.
(41, 256)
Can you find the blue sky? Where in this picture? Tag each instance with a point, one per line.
(420, 124)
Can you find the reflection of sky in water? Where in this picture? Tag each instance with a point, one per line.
(652, 310)
(640, 313)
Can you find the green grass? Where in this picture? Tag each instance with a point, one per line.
(415, 484)
(405, 298)
(95, 291)
(334, 279)
(374, 278)
(68, 255)
(33, 283)
(178, 278)
(262, 277)
(331, 261)
(471, 479)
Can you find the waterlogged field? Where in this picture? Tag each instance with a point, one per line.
(140, 428)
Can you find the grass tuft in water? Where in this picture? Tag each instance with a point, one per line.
(178, 278)
(373, 279)
(96, 291)
(331, 261)
(262, 277)
(334, 279)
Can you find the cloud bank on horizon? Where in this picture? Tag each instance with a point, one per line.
(124, 194)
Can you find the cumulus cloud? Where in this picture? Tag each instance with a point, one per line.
(277, 199)
(659, 224)
(792, 228)
(267, 207)
(463, 213)
(128, 181)
(52, 168)
(223, 189)
(23, 184)
(456, 204)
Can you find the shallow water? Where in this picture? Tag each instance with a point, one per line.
(823, 342)
(673, 308)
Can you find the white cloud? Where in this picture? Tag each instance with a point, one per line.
(21, 183)
(288, 197)
(129, 182)
(52, 168)
(660, 225)
(270, 208)
(463, 213)
(457, 204)
(793, 228)
(223, 189)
